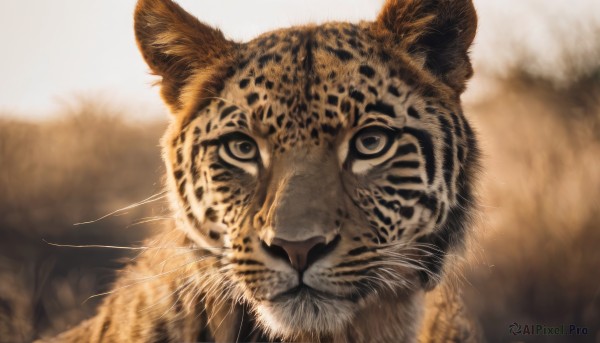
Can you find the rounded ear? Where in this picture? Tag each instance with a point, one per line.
(176, 45)
(440, 31)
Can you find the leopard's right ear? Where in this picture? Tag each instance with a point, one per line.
(176, 45)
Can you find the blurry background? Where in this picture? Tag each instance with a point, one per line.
(80, 124)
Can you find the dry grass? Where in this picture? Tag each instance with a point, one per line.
(88, 162)
(539, 258)
(537, 263)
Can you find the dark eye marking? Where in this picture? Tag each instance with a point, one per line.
(381, 107)
(426, 150)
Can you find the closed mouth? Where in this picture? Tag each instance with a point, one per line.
(305, 292)
(302, 291)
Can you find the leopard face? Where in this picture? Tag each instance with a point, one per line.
(326, 167)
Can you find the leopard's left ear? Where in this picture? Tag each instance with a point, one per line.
(176, 45)
(440, 31)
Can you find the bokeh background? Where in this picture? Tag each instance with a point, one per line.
(80, 124)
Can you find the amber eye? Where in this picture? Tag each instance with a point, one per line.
(372, 142)
(241, 148)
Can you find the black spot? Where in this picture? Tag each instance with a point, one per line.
(393, 90)
(373, 90)
(280, 119)
(178, 174)
(332, 100)
(223, 189)
(182, 187)
(227, 111)
(407, 212)
(367, 71)
(326, 128)
(385, 57)
(413, 113)
(430, 110)
(314, 133)
(269, 85)
(330, 114)
(214, 235)
(342, 54)
(382, 217)
(179, 156)
(244, 83)
(268, 58)
(211, 214)
(259, 80)
(358, 96)
(251, 98)
(381, 107)
(345, 107)
(199, 193)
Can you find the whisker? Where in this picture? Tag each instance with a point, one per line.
(145, 279)
(96, 246)
(148, 200)
(149, 220)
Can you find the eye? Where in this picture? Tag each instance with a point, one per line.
(241, 147)
(372, 142)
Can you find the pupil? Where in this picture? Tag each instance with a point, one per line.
(371, 142)
(245, 147)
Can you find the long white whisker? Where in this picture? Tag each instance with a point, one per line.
(150, 199)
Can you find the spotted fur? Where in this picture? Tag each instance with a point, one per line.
(302, 99)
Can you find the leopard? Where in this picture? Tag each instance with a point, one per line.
(321, 180)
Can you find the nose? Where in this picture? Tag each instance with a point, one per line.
(301, 254)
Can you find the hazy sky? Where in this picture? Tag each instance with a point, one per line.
(52, 50)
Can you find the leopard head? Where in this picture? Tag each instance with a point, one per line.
(329, 167)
